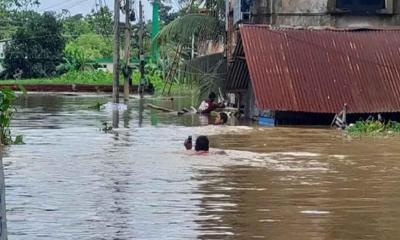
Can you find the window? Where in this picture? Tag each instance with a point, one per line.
(362, 6)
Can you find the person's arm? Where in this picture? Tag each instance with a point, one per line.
(220, 105)
(188, 144)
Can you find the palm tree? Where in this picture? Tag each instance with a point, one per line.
(202, 20)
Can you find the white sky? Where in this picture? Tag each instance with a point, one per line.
(85, 6)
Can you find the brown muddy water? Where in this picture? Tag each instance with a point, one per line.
(72, 181)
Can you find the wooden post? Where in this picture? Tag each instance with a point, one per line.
(127, 48)
(115, 94)
(344, 119)
(115, 117)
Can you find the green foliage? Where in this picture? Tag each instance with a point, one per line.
(18, 3)
(166, 16)
(107, 128)
(184, 27)
(153, 75)
(7, 96)
(81, 53)
(374, 127)
(72, 77)
(76, 59)
(6, 28)
(101, 22)
(97, 106)
(94, 45)
(75, 26)
(87, 77)
(36, 48)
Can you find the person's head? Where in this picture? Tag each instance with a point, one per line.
(212, 96)
(221, 119)
(202, 144)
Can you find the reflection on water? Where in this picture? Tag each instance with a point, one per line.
(72, 181)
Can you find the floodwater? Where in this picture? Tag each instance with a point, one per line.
(72, 181)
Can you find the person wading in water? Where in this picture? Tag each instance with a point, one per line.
(202, 145)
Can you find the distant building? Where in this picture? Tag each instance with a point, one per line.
(3, 44)
(106, 63)
(326, 13)
(302, 61)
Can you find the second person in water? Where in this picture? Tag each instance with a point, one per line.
(209, 105)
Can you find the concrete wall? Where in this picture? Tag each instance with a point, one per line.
(209, 47)
(316, 13)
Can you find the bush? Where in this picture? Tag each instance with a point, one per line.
(374, 127)
(87, 77)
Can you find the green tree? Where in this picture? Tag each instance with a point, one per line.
(10, 14)
(6, 4)
(166, 15)
(81, 53)
(75, 25)
(203, 20)
(94, 45)
(101, 21)
(37, 47)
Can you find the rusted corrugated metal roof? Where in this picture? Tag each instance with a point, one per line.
(321, 70)
(238, 73)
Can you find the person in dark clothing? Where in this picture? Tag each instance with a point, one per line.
(209, 105)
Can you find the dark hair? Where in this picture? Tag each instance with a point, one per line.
(224, 117)
(212, 96)
(202, 144)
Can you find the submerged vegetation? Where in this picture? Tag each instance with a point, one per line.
(374, 127)
(7, 96)
(106, 128)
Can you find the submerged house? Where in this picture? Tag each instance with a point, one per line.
(303, 62)
(307, 76)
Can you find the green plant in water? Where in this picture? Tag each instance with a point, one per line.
(97, 106)
(7, 96)
(107, 128)
(374, 127)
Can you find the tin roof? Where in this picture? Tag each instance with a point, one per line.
(238, 73)
(319, 71)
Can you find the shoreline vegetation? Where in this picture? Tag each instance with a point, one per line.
(97, 77)
(374, 128)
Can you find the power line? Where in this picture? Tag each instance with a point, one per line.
(63, 5)
(55, 5)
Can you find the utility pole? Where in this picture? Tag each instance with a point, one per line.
(127, 49)
(115, 94)
(141, 50)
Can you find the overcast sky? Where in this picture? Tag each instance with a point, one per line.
(85, 6)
